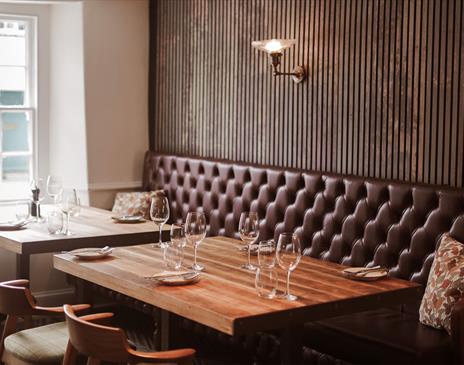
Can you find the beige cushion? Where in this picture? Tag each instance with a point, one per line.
(133, 203)
(40, 345)
(445, 284)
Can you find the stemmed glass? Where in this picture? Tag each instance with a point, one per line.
(248, 229)
(195, 231)
(67, 206)
(159, 214)
(288, 254)
(77, 210)
(37, 195)
(54, 188)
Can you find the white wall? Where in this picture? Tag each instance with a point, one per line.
(68, 145)
(44, 279)
(116, 94)
(93, 83)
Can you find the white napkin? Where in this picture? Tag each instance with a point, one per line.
(163, 274)
(9, 225)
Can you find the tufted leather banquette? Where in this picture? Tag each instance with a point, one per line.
(346, 219)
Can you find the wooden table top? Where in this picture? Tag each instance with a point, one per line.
(225, 297)
(92, 228)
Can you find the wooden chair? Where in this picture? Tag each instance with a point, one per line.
(109, 344)
(45, 344)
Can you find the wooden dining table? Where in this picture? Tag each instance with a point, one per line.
(93, 227)
(225, 297)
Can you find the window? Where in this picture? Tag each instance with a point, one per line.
(17, 105)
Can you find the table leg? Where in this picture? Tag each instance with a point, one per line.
(161, 335)
(164, 330)
(291, 345)
(22, 266)
(83, 292)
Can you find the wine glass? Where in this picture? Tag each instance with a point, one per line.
(159, 214)
(195, 231)
(288, 254)
(248, 229)
(67, 206)
(37, 195)
(77, 210)
(54, 188)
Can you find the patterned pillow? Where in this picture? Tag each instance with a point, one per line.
(133, 203)
(445, 284)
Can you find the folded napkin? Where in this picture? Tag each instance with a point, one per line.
(12, 225)
(90, 250)
(365, 271)
(164, 274)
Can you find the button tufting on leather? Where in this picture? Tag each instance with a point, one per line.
(338, 218)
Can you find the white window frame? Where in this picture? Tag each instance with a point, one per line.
(30, 101)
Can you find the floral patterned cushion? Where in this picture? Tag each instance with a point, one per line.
(133, 203)
(445, 284)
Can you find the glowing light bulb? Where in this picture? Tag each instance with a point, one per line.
(273, 46)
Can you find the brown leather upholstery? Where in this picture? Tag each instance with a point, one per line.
(345, 219)
(457, 329)
(382, 336)
(351, 220)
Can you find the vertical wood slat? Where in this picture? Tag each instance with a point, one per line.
(384, 96)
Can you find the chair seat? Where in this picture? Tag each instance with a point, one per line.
(383, 336)
(40, 345)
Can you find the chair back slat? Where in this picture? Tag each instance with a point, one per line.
(16, 300)
(96, 341)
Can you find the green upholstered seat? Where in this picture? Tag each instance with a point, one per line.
(40, 345)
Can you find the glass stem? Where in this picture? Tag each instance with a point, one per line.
(195, 254)
(288, 282)
(249, 255)
(67, 223)
(160, 232)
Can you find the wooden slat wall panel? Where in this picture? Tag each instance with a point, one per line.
(384, 97)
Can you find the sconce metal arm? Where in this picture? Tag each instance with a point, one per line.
(298, 73)
(278, 73)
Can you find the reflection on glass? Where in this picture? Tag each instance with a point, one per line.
(16, 168)
(12, 61)
(15, 132)
(16, 146)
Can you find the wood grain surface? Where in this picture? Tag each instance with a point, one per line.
(92, 228)
(225, 298)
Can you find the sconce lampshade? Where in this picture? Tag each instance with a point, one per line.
(272, 46)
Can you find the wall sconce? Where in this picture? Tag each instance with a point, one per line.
(274, 48)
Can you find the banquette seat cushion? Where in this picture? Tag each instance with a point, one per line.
(383, 336)
(345, 219)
